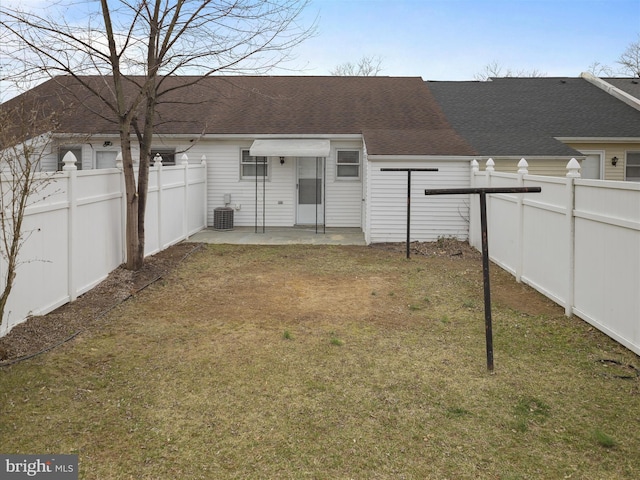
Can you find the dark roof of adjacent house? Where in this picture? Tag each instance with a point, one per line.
(524, 116)
(629, 85)
(396, 115)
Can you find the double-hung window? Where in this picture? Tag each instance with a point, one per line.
(632, 169)
(348, 164)
(106, 158)
(252, 167)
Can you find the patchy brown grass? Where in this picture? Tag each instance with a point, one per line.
(330, 362)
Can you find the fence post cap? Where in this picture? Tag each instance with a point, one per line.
(203, 160)
(157, 160)
(119, 160)
(69, 161)
(185, 159)
(475, 166)
(573, 168)
(490, 165)
(523, 166)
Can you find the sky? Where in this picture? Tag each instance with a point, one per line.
(454, 39)
(457, 39)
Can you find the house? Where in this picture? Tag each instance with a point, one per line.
(286, 150)
(547, 121)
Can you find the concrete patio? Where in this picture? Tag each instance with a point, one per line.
(281, 236)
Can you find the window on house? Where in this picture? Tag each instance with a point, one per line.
(168, 155)
(632, 169)
(348, 164)
(250, 167)
(76, 150)
(106, 159)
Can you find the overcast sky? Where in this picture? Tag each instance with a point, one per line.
(456, 39)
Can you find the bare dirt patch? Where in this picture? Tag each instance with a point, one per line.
(41, 333)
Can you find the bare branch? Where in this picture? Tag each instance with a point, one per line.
(367, 66)
(630, 59)
(132, 46)
(495, 70)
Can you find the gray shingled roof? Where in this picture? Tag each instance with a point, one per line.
(396, 115)
(521, 116)
(629, 85)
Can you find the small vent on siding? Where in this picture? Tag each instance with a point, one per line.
(223, 218)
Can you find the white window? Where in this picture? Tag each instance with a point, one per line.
(168, 155)
(75, 149)
(106, 158)
(250, 167)
(348, 164)
(632, 169)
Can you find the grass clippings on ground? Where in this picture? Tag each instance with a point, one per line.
(194, 377)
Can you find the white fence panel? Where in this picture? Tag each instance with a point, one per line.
(577, 242)
(607, 258)
(502, 228)
(152, 212)
(546, 225)
(97, 246)
(75, 232)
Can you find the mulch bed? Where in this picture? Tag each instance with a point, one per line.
(41, 333)
(443, 247)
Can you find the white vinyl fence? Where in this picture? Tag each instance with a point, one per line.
(577, 242)
(75, 227)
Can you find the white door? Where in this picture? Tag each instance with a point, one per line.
(591, 167)
(310, 195)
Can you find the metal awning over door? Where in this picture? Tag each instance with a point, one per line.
(290, 148)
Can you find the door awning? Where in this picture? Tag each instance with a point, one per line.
(290, 148)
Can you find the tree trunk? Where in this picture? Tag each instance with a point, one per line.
(134, 256)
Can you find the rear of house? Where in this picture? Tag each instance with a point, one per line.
(286, 151)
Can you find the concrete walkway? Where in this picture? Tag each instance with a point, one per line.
(281, 236)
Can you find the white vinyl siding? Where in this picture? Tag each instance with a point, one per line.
(344, 198)
(431, 216)
(223, 176)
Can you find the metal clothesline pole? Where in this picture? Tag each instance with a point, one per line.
(408, 170)
(483, 191)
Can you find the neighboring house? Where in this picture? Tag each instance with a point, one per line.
(627, 90)
(285, 151)
(547, 121)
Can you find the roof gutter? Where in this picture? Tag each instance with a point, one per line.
(611, 90)
(598, 139)
(417, 158)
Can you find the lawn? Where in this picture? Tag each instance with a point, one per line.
(330, 363)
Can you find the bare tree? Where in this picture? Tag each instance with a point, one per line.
(367, 66)
(630, 59)
(597, 69)
(20, 181)
(495, 70)
(133, 46)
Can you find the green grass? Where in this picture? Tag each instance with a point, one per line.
(603, 439)
(193, 378)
